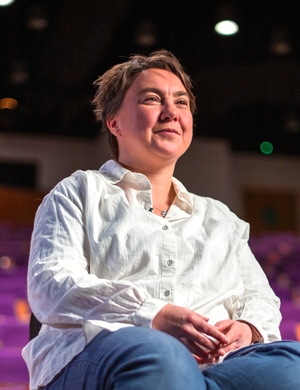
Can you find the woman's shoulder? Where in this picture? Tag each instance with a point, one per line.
(75, 188)
(213, 206)
(78, 181)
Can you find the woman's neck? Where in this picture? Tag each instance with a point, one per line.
(163, 192)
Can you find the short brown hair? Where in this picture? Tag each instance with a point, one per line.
(114, 83)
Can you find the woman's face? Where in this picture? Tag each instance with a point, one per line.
(154, 125)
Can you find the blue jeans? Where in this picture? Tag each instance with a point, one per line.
(137, 358)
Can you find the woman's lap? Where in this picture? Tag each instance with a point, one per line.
(141, 358)
(130, 358)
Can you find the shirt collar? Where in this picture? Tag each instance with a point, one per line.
(183, 196)
(115, 173)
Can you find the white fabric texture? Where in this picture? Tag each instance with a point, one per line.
(100, 259)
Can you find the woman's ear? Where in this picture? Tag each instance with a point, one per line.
(112, 124)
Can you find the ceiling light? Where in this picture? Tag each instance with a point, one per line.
(292, 123)
(8, 103)
(146, 34)
(226, 20)
(19, 74)
(226, 27)
(4, 3)
(280, 42)
(37, 19)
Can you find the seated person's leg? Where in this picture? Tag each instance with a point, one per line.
(273, 366)
(132, 358)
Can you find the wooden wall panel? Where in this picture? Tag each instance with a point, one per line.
(19, 205)
(270, 210)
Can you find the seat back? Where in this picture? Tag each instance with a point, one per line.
(34, 327)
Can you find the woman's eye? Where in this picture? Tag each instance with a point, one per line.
(182, 102)
(152, 98)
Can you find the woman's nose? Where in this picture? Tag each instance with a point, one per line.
(169, 112)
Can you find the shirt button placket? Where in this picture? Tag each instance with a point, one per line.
(168, 269)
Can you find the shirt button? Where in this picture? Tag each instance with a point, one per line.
(167, 293)
(169, 263)
(165, 227)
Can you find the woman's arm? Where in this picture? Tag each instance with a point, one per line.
(61, 290)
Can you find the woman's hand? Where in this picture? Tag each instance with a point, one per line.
(193, 330)
(238, 333)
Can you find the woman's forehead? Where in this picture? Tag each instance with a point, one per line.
(157, 77)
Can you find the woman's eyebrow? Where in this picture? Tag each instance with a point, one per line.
(181, 93)
(151, 89)
(160, 92)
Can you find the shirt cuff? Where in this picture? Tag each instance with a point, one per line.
(257, 336)
(146, 313)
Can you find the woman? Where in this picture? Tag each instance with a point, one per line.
(139, 283)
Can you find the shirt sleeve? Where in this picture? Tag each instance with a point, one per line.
(258, 305)
(61, 291)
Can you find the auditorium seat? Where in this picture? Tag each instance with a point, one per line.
(14, 309)
(13, 337)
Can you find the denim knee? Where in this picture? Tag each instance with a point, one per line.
(132, 358)
(158, 359)
(163, 349)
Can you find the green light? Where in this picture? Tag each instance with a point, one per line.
(266, 147)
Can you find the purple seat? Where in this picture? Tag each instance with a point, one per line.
(18, 250)
(290, 330)
(259, 248)
(7, 304)
(12, 366)
(292, 270)
(283, 292)
(13, 333)
(13, 270)
(290, 311)
(13, 285)
(12, 231)
(13, 337)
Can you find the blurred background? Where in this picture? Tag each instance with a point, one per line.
(246, 148)
(246, 79)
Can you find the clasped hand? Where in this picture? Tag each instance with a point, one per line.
(205, 341)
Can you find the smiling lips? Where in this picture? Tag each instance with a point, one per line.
(168, 131)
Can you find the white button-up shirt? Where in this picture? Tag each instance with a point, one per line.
(101, 260)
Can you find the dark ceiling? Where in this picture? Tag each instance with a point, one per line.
(246, 92)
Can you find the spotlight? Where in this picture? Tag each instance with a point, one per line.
(226, 24)
(280, 42)
(37, 19)
(292, 123)
(4, 3)
(19, 74)
(146, 34)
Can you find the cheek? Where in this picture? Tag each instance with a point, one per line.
(145, 119)
(187, 124)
